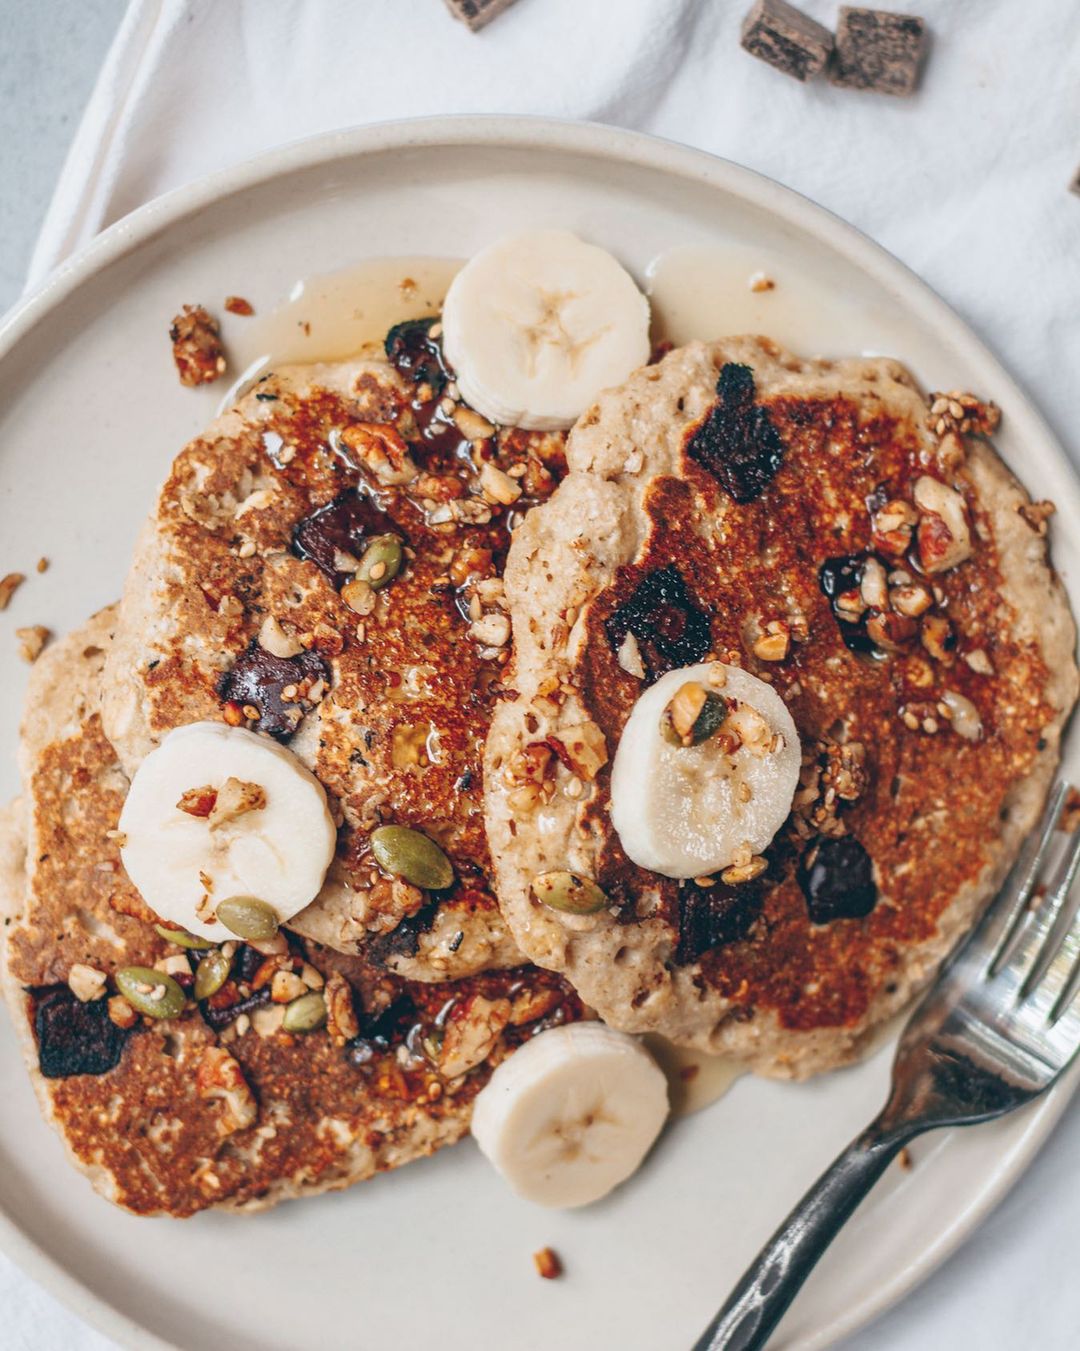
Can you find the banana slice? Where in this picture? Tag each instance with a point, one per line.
(571, 1113)
(695, 804)
(217, 812)
(535, 326)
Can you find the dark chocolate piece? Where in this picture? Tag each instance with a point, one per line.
(838, 882)
(219, 1019)
(477, 13)
(837, 577)
(786, 38)
(258, 678)
(662, 615)
(72, 1037)
(416, 354)
(379, 1032)
(877, 50)
(713, 916)
(737, 443)
(342, 526)
(404, 940)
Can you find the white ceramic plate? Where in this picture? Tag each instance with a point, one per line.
(90, 416)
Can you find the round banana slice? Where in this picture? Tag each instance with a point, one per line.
(217, 813)
(705, 771)
(536, 325)
(571, 1113)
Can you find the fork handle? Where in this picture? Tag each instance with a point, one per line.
(773, 1280)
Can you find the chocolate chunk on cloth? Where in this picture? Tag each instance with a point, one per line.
(786, 38)
(477, 13)
(877, 50)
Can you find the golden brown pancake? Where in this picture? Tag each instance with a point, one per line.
(793, 518)
(219, 1106)
(385, 695)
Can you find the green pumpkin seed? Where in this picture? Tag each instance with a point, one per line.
(381, 561)
(693, 715)
(151, 992)
(568, 892)
(211, 973)
(182, 938)
(406, 853)
(248, 917)
(305, 1014)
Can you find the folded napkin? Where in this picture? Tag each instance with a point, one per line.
(966, 182)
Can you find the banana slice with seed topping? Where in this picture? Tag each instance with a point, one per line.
(536, 325)
(216, 813)
(571, 1114)
(705, 771)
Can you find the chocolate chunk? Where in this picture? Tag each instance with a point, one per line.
(837, 578)
(477, 13)
(219, 1019)
(877, 50)
(342, 526)
(713, 916)
(72, 1037)
(838, 880)
(377, 1034)
(403, 940)
(786, 38)
(257, 678)
(412, 350)
(737, 443)
(670, 628)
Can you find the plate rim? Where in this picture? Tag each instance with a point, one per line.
(635, 149)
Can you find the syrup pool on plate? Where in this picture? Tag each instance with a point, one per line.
(332, 316)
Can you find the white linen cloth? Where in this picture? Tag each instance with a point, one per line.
(966, 182)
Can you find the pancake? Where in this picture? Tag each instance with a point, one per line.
(217, 1106)
(385, 694)
(712, 503)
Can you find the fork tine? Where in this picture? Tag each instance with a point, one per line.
(1068, 959)
(1054, 918)
(1026, 875)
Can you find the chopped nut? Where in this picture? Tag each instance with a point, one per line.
(359, 596)
(219, 1077)
(471, 425)
(530, 1005)
(285, 986)
(342, 1023)
(32, 641)
(582, 749)
(492, 630)
(42, 566)
(893, 525)
(238, 305)
(747, 727)
(912, 599)
(548, 1264)
(87, 983)
(498, 486)
(471, 1033)
(9, 585)
(873, 587)
(890, 631)
(744, 872)
(760, 281)
(937, 637)
(121, 1013)
(235, 798)
(943, 534)
(961, 412)
(774, 643)
(979, 662)
(381, 450)
(276, 641)
(1037, 515)
(963, 715)
(196, 344)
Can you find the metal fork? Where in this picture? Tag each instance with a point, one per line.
(995, 1031)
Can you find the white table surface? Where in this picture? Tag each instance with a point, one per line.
(1014, 1284)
